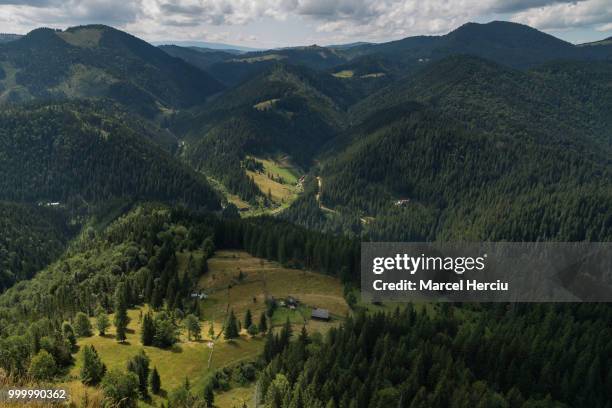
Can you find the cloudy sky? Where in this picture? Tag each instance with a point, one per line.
(276, 23)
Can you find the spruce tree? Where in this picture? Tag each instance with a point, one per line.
(231, 328)
(192, 325)
(121, 317)
(92, 369)
(155, 381)
(263, 323)
(139, 365)
(82, 325)
(68, 334)
(211, 330)
(102, 322)
(147, 330)
(248, 319)
(209, 395)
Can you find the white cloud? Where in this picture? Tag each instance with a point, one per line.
(589, 13)
(327, 20)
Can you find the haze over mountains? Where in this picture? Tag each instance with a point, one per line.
(489, 119)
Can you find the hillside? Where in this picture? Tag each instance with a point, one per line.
(510, 44)
(464, 140)
(465, 185)
(548, 102)
(285, 110)
(245, 66)
(77, 156)
(100, 62)
(150, 261)
(9, 37)
(199, 57)
(32, 236)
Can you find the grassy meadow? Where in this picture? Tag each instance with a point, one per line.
(192, 359)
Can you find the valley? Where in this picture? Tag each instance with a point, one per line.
(207, 207)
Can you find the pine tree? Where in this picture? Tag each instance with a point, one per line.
(82, 325)
(155, 381)
(68, 334)
(139, 365)
(102, 322)
(147, 330)
(211, 330)
(248, 319)
(231, 328)
(209, 396)
(192, 325)
(285, 334)
(92, 369)
(263, 324)
(121, 317)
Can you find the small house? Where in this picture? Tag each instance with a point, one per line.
(200, 295)
(402, 202)
(320, 314)
(291, 301)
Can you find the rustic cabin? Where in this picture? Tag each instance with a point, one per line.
(320, 314)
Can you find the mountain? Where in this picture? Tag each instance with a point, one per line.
(606, 41)
(501, 100)
(9, 37)
(248, 65)
(100, 62)
(202, 58)
(463, 140)
(286, 109)
(234, 49)
(82, 157)
(510, 44)
(32, 236)
(461, 183)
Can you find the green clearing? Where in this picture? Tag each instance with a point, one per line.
(265, 105)
(344, 74)
(84, 37)
(190, 358)
(263, 278)
(279, 178)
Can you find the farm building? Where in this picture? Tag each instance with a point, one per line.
(320, 314)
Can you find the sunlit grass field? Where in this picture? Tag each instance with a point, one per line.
(190, 359)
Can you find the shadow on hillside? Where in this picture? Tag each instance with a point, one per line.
(176, 349)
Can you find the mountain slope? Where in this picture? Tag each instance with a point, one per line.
(466, 185)
(32, 236)
(198, 57)
(72, 154)
(510, 44)
(246, 66)
(97, 62)
(288, 110)
(500, 100)
(481, 140)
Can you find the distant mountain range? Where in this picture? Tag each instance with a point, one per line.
(349, 115)
(9, 37)
(207, 45)
(100, 62)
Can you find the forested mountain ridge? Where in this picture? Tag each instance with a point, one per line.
(32, 236)
(100, 62)
(74, 154)
(286, 109)
(243, 67)
(507, 43)
(481, 134)
(563, 102)
(466, 184)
